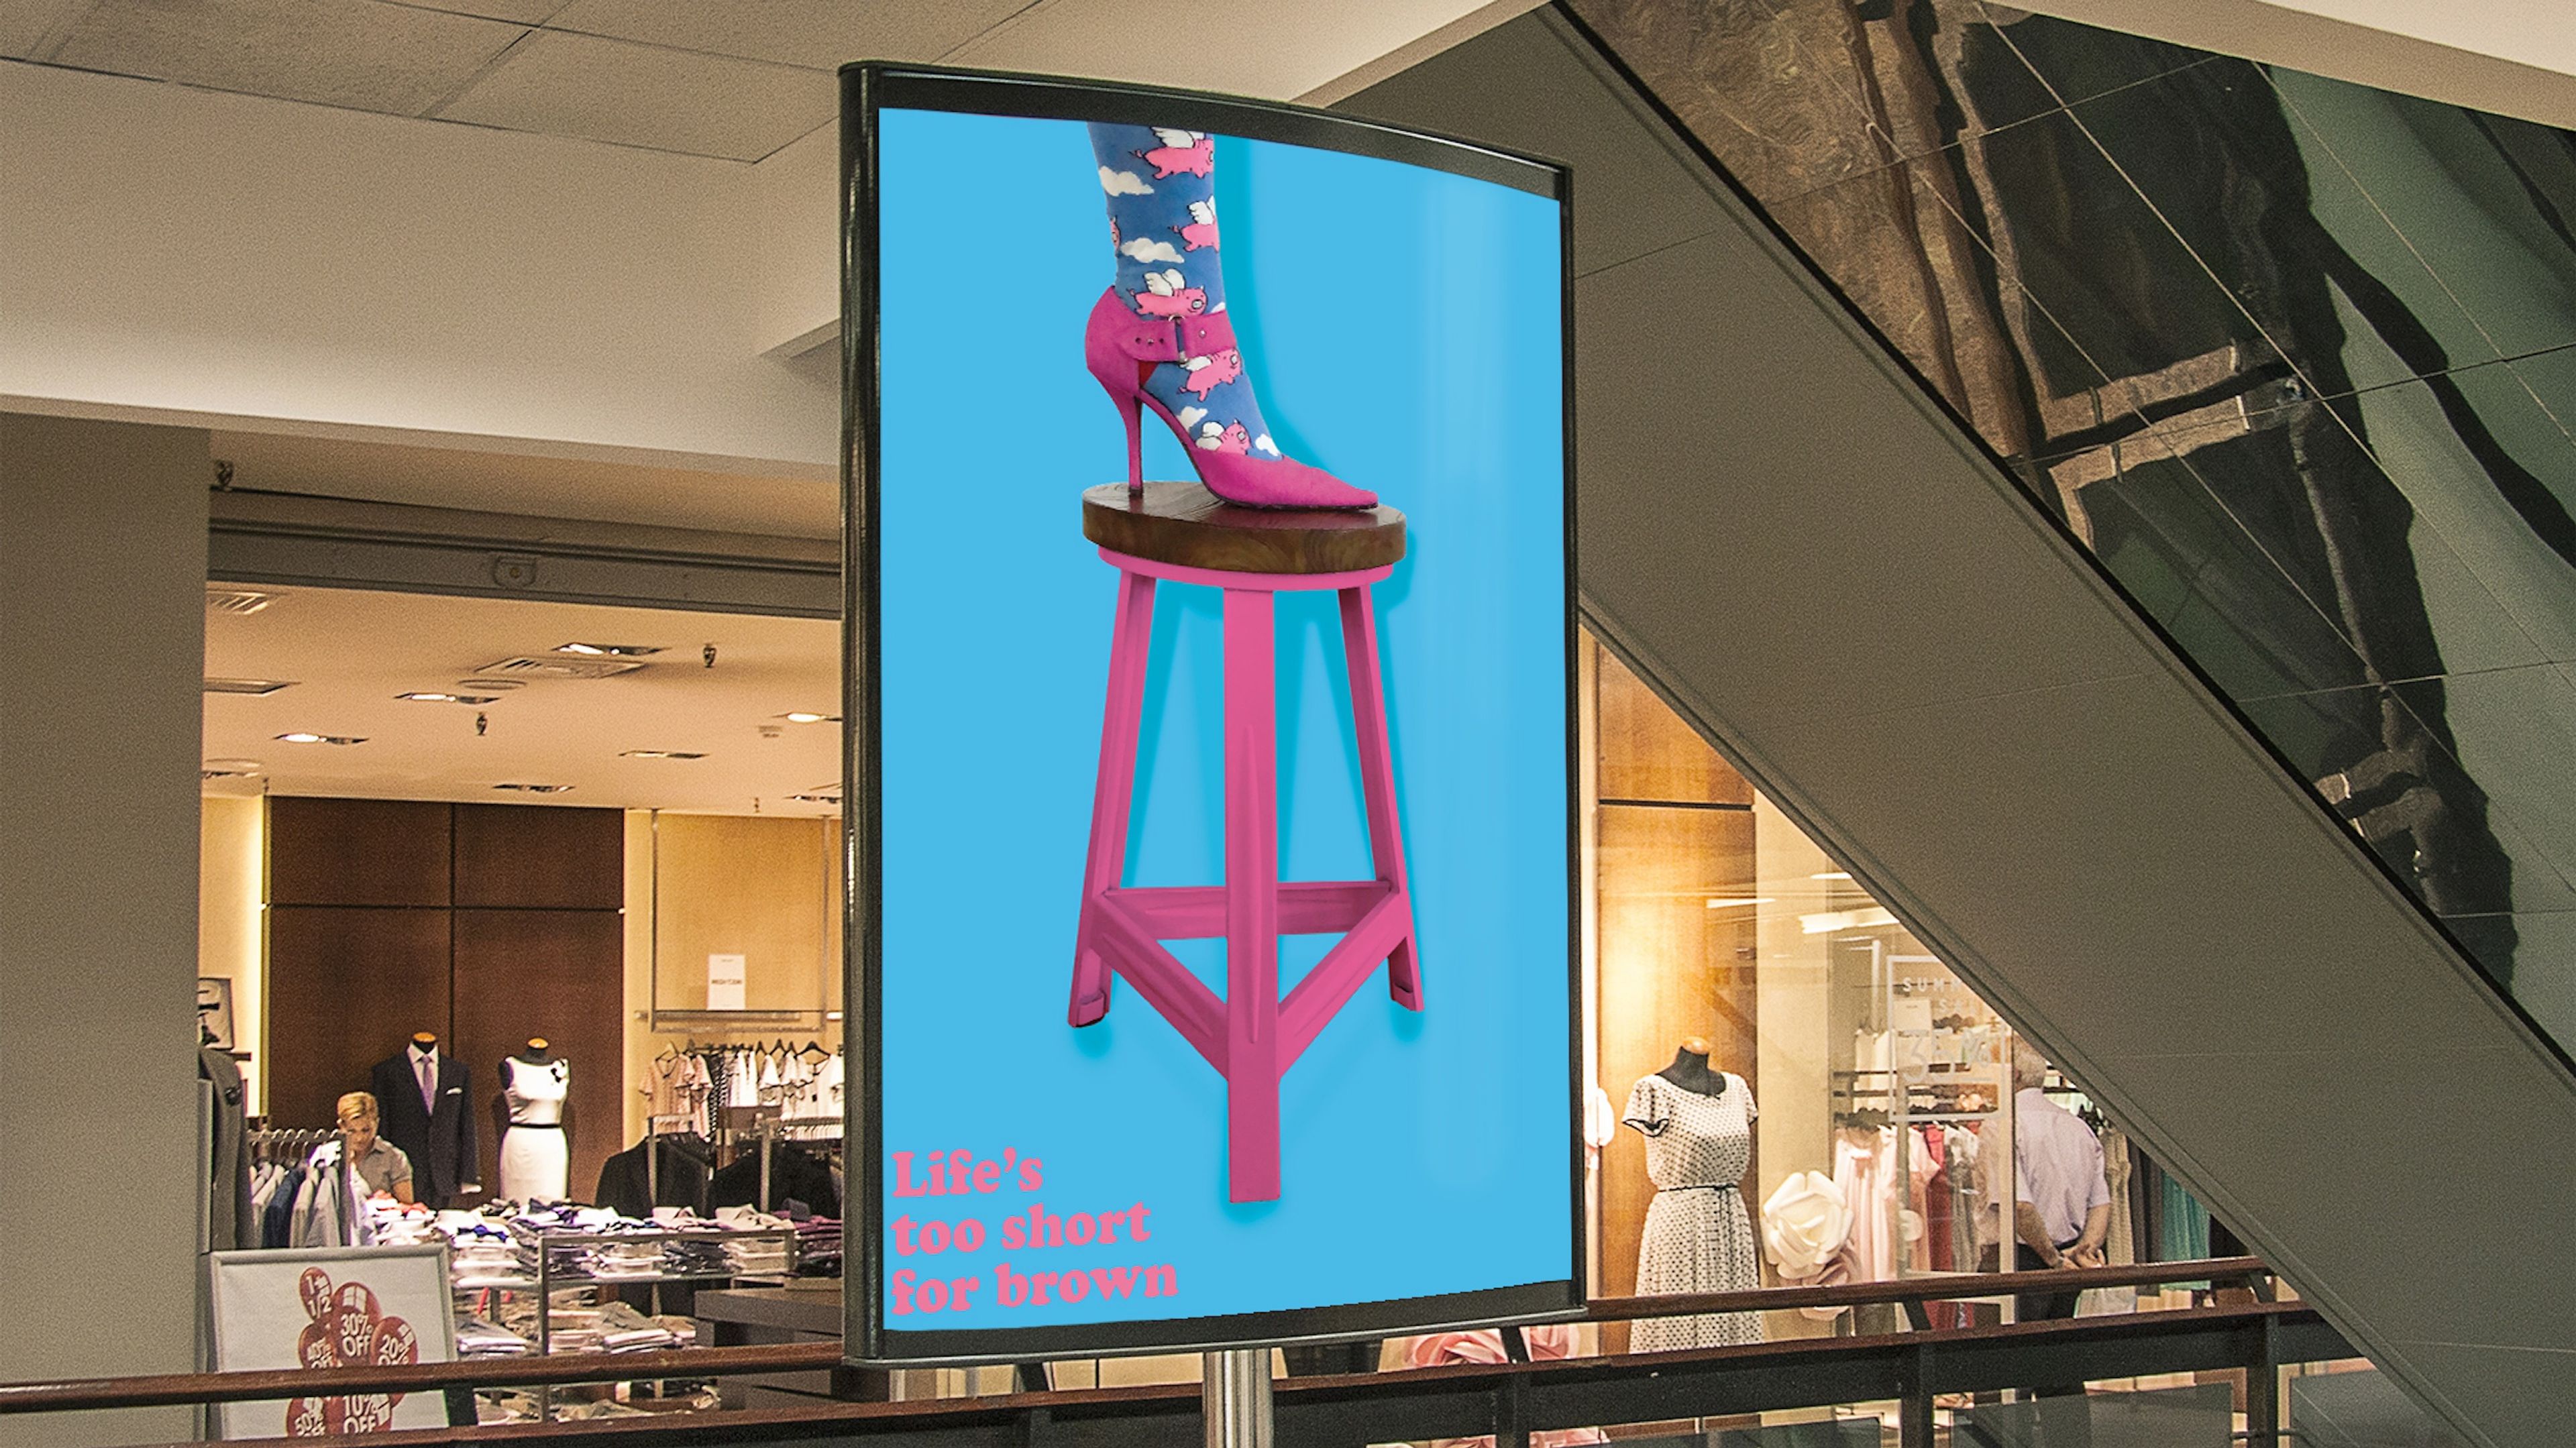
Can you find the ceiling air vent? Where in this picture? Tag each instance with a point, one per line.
(247, 686)
(535, 788)
(820, 794)
(557, 666)
(238, 600)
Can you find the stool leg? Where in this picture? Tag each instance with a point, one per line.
(1112, 789)
(1377, 780)
(1251, 898)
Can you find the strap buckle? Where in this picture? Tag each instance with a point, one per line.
(1176, 339)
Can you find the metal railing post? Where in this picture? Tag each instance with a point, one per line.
(1914, 1401)
(1234, 1394)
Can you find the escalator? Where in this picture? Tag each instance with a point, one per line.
(2119, 499)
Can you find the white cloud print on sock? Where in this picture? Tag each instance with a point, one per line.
(1123, 183)
(1148, 249)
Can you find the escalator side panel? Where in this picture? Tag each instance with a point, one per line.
(1821, 570)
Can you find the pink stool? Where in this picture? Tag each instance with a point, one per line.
(1181, 533)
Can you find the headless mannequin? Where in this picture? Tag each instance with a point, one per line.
(1690, 1069)
(537, 1055)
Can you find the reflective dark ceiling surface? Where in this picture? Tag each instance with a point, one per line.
(2296, 358)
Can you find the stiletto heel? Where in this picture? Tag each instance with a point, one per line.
(1134, 408)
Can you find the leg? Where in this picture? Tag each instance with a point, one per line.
(1251, 899)
(1377, 779)
(1113, 788)
(2065, 1416)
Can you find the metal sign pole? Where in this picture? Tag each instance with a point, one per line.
(1234, 1393)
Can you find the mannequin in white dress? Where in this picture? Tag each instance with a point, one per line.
(536, 1152)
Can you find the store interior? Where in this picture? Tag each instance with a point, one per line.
(550, 882)
(1720, 932)
(585, 859)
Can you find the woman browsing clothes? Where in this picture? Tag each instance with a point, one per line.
(344, 1173)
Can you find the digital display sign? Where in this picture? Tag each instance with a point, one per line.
(1210, 647)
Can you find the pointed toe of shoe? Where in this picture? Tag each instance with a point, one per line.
(1277, 483)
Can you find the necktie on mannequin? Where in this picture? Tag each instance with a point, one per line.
(426, 1068)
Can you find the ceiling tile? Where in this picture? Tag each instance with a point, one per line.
(24, 24)
(819, 33)
(643, 95)
(357, 53)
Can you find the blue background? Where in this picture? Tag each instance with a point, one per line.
(1403, 327)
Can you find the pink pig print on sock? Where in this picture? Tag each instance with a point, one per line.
(1232, 439)
(1181, 151)
(1201, 232)
(1164, 296)
(1210, 373)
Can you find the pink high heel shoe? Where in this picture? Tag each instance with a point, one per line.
(1123, 348)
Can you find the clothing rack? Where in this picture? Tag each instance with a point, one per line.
(768, 1132)
(723, 1077)
(285, 1146)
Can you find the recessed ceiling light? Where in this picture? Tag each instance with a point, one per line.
(1832, 875)
(432, 696)
(660, 754)
(304, 736)
(535, 788)
(238, 600)
(610, 651)
(1729, 901)
(247, 686)
(804, 716)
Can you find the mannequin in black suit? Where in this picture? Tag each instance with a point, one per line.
(439, 1139)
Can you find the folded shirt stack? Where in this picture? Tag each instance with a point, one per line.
(399, 1224)
(623, 1329)
(627, 1259)
(479, 1337)
(818, 1247)
(481, 1252)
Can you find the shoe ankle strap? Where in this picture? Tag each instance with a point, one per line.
(1174, 339)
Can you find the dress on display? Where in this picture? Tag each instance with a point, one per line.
(1698, 1238)
(536, 1162)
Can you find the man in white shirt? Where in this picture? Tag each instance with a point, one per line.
(2061, 1212)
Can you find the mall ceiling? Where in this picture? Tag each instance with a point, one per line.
(345, 655)
(735, 80)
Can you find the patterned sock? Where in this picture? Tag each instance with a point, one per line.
(1161, 185)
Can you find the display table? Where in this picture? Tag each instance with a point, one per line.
(743, 1316)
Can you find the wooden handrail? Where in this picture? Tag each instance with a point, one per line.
(706, 1362)
(1103, 1406)
(239, 1387)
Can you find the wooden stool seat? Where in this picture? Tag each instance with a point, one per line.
(1186, 526)
(1180, 533)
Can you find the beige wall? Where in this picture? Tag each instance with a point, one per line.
(763, 887)
(232, 861)
(102, 641)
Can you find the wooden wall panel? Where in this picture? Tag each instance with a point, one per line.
(1647, 752)
(540, 856)
(560, 974)
(357, 852)
(347, 985)
(761, 888)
